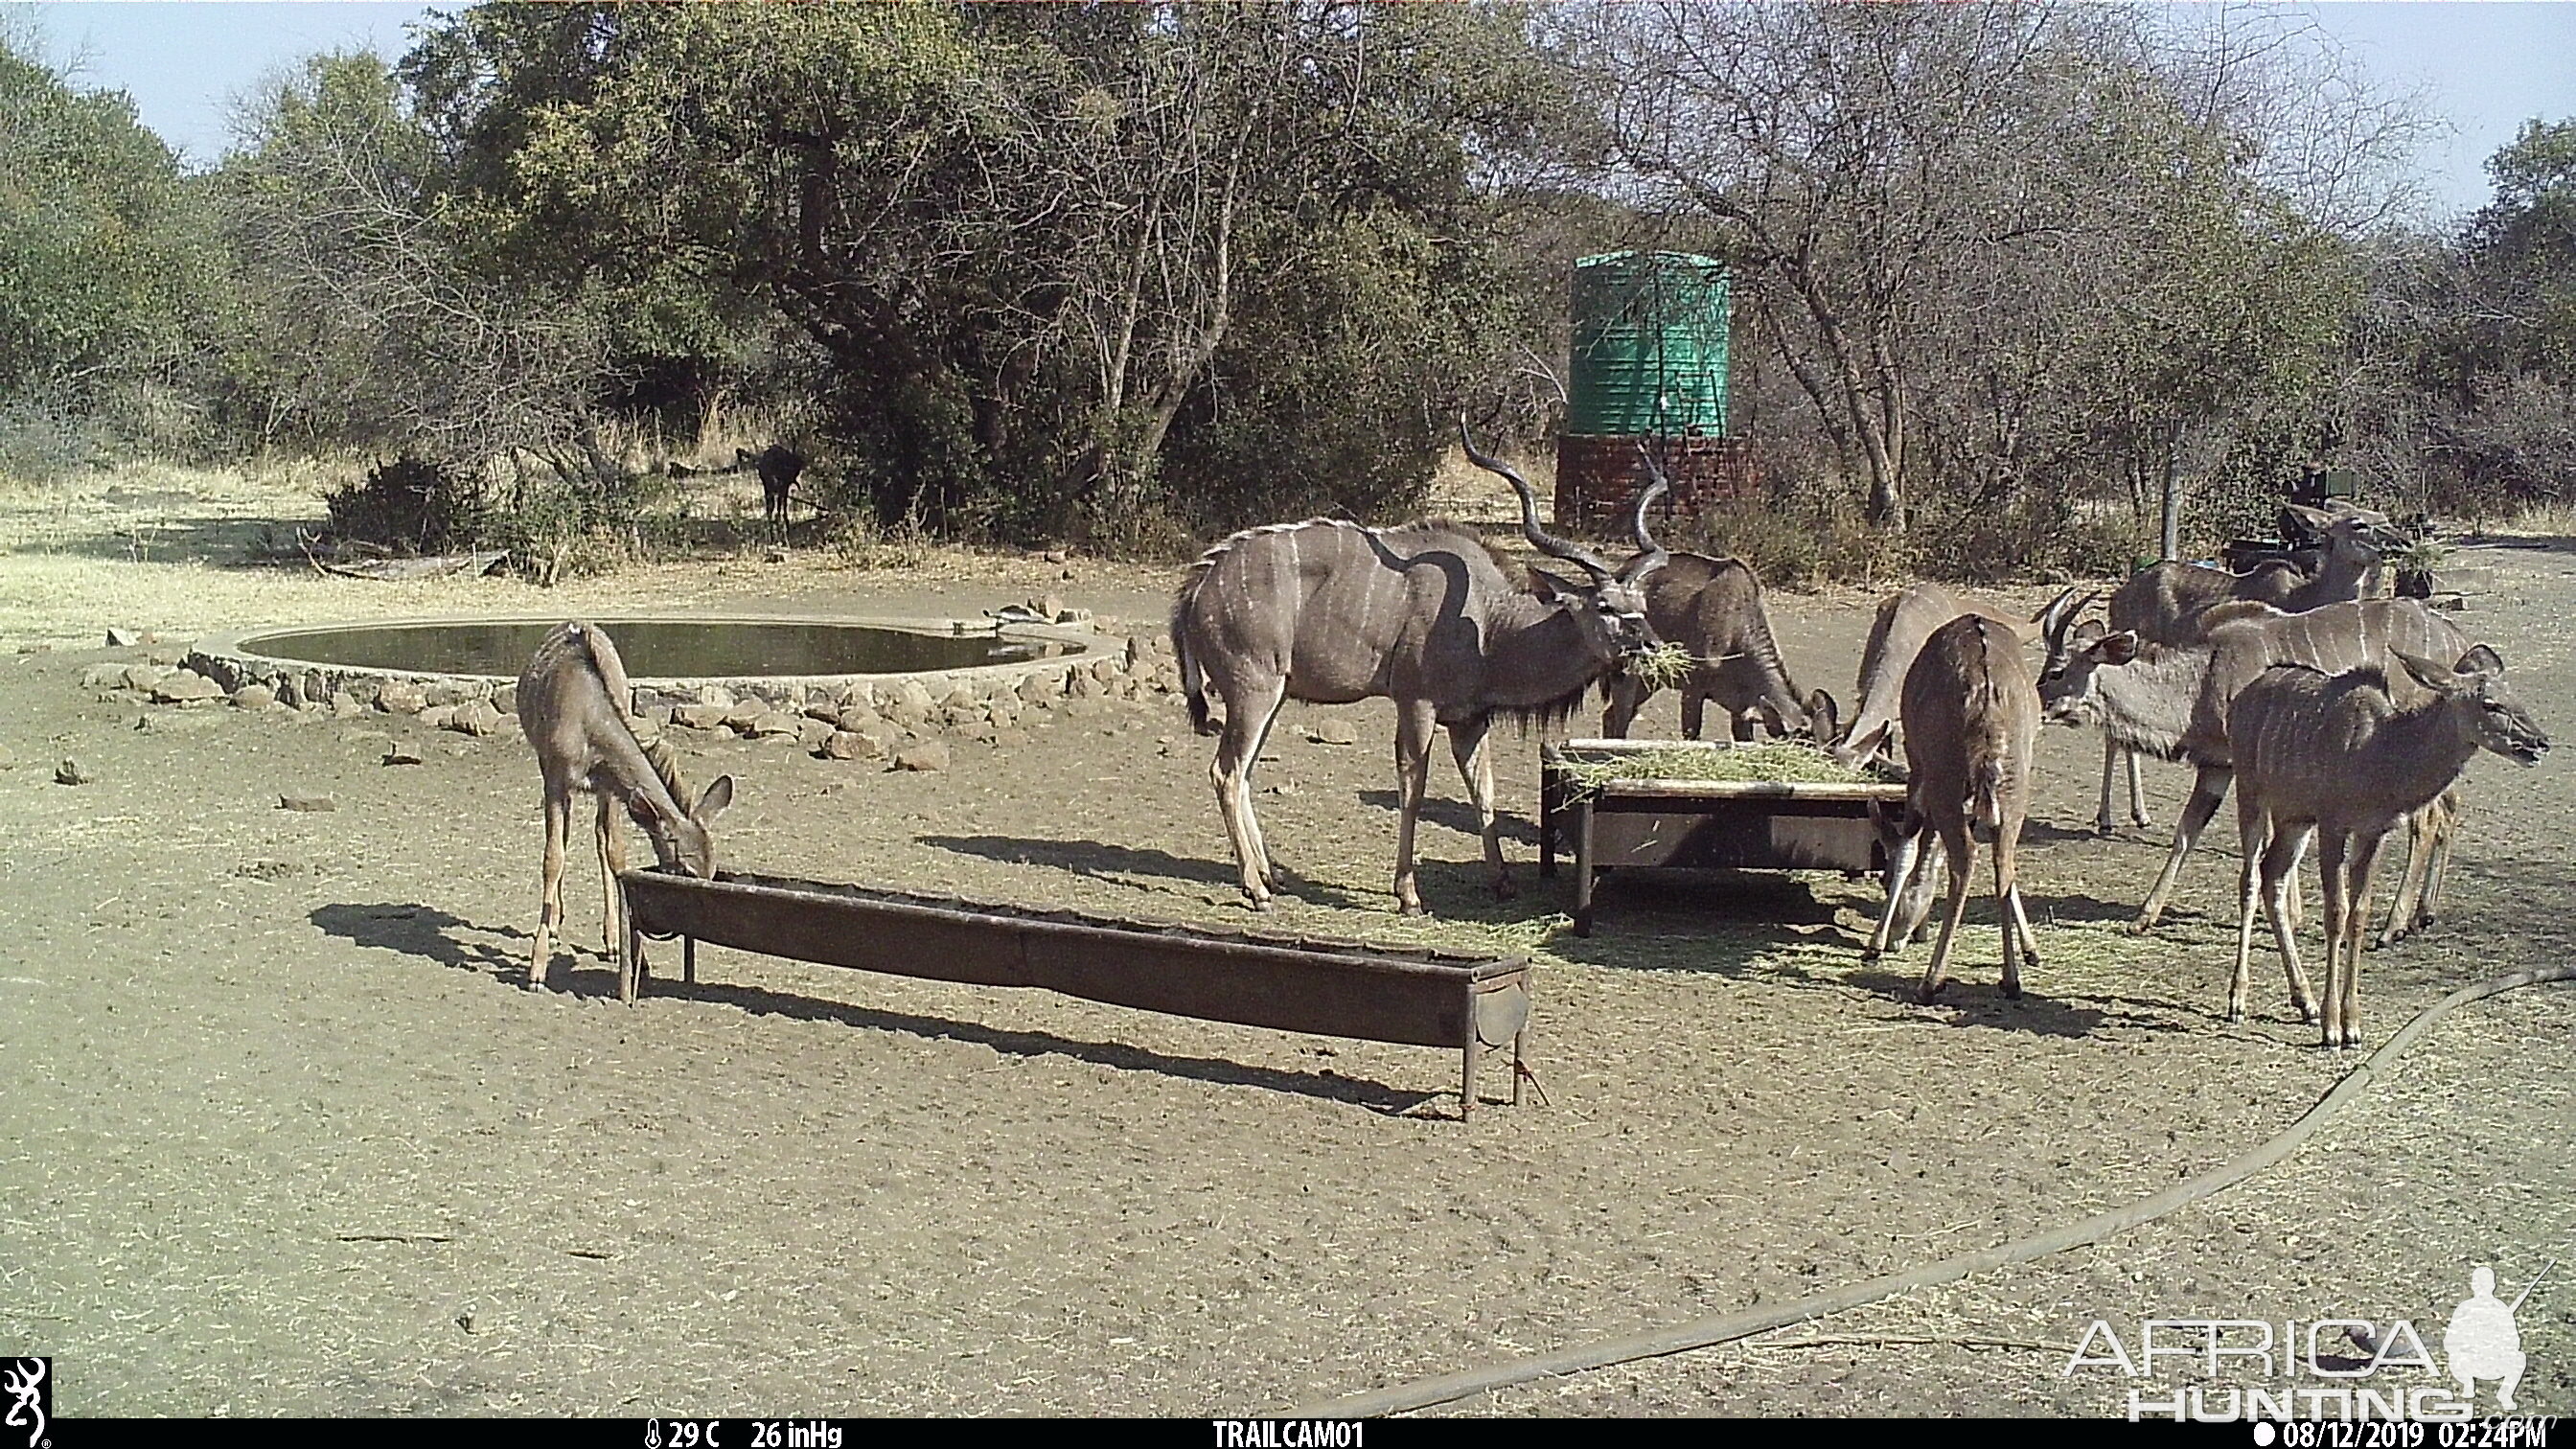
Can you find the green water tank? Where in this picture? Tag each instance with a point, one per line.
(1649, 346)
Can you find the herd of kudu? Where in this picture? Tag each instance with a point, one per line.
(2334, 715)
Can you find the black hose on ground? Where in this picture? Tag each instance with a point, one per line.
(1682, 1337)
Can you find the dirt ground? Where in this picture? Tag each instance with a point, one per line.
(287, 1134)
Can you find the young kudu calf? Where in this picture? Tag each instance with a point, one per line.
(2337, 756)
(575, 707)
(1905, 619)
(1712, 608)
(778, 465)
(1971, 721)
(1332, 613)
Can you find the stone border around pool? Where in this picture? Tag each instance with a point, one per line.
(222, 659)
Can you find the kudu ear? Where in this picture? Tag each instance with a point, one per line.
(2433, 676)
(2480, 659)
(711, 804)
(2117, 648)
(1824, 717)
(1548, 587)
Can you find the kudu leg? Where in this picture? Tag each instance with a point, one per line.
(2207, 793)
(1413, 726)
(1246, 725)
(2365, 850)
(2338, 901)
(1621, 700)
(2137, 792)
(1908, 861)
(550, 892)
(2016, 925)
(1961, 850)
(2111, 753)
(612, 864)
(1476, 767)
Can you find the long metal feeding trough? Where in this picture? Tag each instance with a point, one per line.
(1328, 988)
(1673, 824)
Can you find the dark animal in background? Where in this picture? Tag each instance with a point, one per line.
(1332, 613)
(779, 466)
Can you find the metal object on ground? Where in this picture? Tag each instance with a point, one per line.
(1328, 988)
(1687, 824)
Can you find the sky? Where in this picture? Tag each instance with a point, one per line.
(2487, 65)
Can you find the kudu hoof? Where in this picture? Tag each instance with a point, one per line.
(1411, 908)
(1252, 902)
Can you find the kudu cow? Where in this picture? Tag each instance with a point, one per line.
(1712, 609)
(2168, 603)
(2173, 701)
(1425, 615)
(1971, 723)
(575, 707)
(1905, 620)
(2337, 757)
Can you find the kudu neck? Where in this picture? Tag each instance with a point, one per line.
(1540, 654)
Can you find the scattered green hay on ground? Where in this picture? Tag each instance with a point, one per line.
(1771, 762)
(1665, 666)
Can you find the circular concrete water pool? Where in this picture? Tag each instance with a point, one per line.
(671, 661)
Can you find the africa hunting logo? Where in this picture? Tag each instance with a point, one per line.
(27, 1386)
(2353, 1368)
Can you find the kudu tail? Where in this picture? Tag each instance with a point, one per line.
(1193, 681)
(1989, 760)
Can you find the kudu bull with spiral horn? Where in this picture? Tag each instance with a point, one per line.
(1425, 615)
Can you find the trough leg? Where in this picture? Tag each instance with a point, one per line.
(1520, 1062)
(1583, 869)
(1548, 789)
(689, 959)
(1467, 1079)
(630, 965)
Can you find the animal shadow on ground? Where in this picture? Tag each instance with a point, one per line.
(1981, 1002)
(1375, 1096)
(1117, 864)
(1459, 815)
(448, 940)
(1717, 921)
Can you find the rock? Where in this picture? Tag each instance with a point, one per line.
(1073, 618)
(1135, 652)
(441, 694)
(290, 693)
(314, 690)
(1010, 738)
(308, 803)
(926, 755)
(715, 694)
(402, 755)
(506, 700)
(404, 699)
(958, 716)
(344, 705)
(478, 718)
(1041, 690)
(1003, 710)
(701, 716)
(438, 717)
(103, 676)
(185, 687)
(123, 638)
(142, 676)
(1057, 556)
(916, 694)
(1107, 671)
(254, 696)
(811, 733)
(1081, 685)
(908, 714)
(978, 731)
(883, 737)
(746, 711)
(73, 772)
(775, 724)
(851, 745)
(859, 695)
(1284, 787)
(828, 711)
(857, 716)
(1048, 606)
(1333, 732)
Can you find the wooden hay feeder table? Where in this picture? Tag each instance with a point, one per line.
(1327, 988)
(1694, 824)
